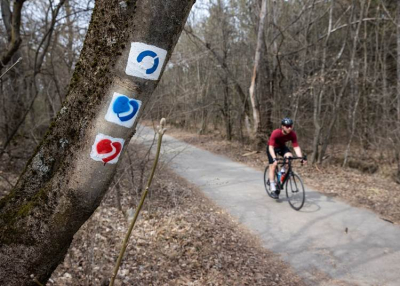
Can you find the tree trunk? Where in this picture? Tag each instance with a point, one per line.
(354, 75)
(318, 96)
(68, 176)
(304, 59)
(266, 101)
(335, 105)
(398, 62)
(252, 90)
(397, 147)
(226, 111)
(12, 22)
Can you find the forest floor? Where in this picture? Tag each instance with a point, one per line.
(377, 192)
(180, 238)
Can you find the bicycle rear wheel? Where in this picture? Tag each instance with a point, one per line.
(267, 184)
(295, 191)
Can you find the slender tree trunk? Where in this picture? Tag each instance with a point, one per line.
(381, 54)
(118, 196)
(204, 89)
(266, 101)
(398, 62)
(227, 112)
(354, 74)
(365, 91)
(303, 64)
(397, 147)
(334, 117)
(336, 103)
(318, 96)
(69, 174)
(252, 90)
(69, 35)
(317, 127)
(12, 22)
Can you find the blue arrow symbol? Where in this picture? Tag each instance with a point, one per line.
(152, 54)
(122, 105)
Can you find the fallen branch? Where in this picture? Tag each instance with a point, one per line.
(250, 153)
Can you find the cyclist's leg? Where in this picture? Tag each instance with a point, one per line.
(271, 170)
(286, 153)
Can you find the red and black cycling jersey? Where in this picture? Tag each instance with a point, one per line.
(278, 139)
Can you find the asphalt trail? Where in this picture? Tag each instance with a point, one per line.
(313, 240)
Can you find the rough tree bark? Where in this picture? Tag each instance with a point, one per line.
(63, 184)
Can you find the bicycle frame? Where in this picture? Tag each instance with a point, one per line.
(288, 173)
(295, 192)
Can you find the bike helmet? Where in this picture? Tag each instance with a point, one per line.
(287, 121)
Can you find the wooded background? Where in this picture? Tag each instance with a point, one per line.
(332, 66)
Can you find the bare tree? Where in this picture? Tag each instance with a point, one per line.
(318, 95)
(354, 74)
(125, 52)
(252, 91)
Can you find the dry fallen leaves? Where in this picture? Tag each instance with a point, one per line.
(181, 238)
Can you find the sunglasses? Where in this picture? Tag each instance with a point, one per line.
(288, 126)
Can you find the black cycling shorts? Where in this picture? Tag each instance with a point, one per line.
(278, 151)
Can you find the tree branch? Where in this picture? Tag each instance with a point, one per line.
(14, 33)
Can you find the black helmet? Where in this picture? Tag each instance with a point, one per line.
(287, 121)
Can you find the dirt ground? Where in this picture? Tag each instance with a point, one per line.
(376, 192)
(181, 238)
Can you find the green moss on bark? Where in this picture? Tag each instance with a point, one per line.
(11, 217)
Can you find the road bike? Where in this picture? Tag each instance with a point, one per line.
(290, 180)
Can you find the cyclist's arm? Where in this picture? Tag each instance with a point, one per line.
(299, 154)
(297, 150)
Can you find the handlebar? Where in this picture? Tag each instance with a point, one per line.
(292, 158)
(288, 160)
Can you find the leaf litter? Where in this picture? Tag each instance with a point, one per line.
(180, 238)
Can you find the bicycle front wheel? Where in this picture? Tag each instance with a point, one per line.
(295, 191)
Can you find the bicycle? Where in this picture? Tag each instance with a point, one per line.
(294, 185)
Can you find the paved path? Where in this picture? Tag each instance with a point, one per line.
(313, 240)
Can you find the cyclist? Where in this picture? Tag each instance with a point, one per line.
(277, 146)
